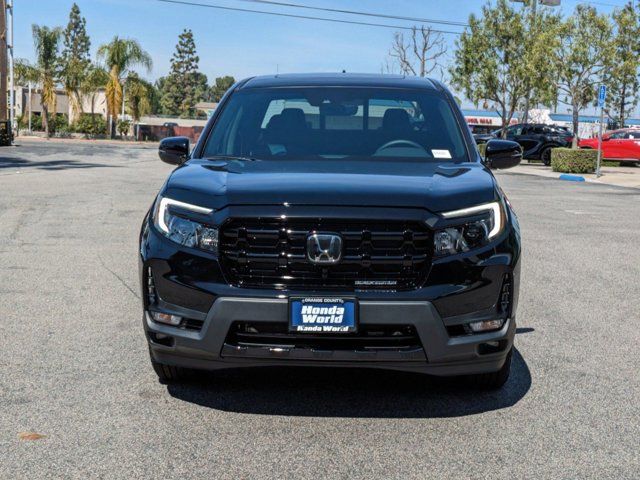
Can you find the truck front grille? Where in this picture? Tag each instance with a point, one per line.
(377, 255)
(368, 338)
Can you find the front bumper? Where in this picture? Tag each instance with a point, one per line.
(457, 290)
(441, 354)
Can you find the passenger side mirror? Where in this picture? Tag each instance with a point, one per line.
(174, 150)
(501, 154)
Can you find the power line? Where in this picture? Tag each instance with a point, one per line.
(354, 12)
(602, 4)
(305, 17)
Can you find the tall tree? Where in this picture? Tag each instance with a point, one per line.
(622, 77)
(75, 60)
(497, 61)
(138, 93)
(221, 85)
(46, 41)
(419, 54)
(120, 56)
(183, 86)
(583, 56)
(95, 80)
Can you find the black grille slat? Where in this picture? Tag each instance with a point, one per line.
(369, 337)
(271, 253)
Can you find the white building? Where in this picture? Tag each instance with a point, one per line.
(29, 101)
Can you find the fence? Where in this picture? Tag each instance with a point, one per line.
(158, 132)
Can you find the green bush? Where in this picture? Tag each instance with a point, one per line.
(568, 160)
(36, 123)
(90, 124)
(123, 127)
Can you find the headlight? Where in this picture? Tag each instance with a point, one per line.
(483, 223)
(171, 218)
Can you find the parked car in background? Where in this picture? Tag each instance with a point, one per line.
(482, 134)
(622, 145)
(537, 140)
(483, 137)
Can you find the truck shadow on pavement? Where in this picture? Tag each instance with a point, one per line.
(359, 393)
(23, 164)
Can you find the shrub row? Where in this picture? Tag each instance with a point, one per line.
(567, 160)
(59, 124)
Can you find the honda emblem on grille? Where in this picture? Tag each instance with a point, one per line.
(324, 248)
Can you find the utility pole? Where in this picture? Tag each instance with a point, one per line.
(12, 93)
(29, 106)
(602, 98)
(3, 61)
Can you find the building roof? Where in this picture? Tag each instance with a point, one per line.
(338, 79)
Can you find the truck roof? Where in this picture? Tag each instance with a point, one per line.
(339, 80)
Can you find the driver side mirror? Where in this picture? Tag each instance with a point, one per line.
(174, 150)
(500, 154)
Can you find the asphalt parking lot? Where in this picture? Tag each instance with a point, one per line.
(74, 366)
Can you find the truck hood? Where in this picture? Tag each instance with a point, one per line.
(332, 182)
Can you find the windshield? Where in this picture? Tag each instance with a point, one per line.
(336, 122)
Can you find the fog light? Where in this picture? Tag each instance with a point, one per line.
(486, 325)
(166, 318)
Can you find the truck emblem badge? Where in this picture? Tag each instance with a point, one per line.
(324, 249)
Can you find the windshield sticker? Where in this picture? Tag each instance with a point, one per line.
(441, 153)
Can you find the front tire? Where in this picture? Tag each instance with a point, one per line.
(493, 380)
(545, 156)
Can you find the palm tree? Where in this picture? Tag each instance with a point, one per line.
(46, 41)
(25, 74)
(120, 55)
(95, 80)
(138, 93)
(71, 76)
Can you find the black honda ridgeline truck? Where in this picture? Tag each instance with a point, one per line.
(333, 220)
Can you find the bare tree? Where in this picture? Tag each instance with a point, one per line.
(418, 55)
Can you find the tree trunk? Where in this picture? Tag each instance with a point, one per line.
(45, 119)
(574, 115)
(623, 99)
(505, 123)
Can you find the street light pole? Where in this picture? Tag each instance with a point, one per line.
(534, 15)
(29, 107)
(12, 93)
(525, 115)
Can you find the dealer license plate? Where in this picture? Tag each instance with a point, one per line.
(323, 315)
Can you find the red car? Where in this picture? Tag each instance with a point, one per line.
(623, 144)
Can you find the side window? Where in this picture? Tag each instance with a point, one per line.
(616, 136)
(515, 130)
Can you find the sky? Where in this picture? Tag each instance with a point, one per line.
(246, 44)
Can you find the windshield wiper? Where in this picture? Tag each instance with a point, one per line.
(232, 157)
